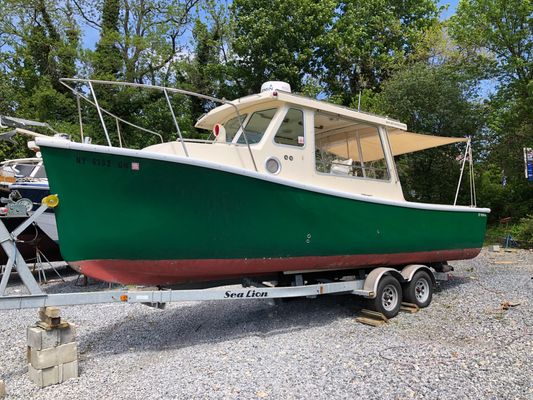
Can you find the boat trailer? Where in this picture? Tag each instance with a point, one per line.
(371, 287)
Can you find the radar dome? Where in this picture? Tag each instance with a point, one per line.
(270, 86)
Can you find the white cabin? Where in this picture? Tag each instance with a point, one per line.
(308, 141)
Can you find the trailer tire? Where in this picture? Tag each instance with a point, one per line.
(388, 297)
(419, 290)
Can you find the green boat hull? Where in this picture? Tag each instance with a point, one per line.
(135, 219)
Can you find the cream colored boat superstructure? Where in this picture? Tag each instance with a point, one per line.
(280, 136)
(296, 162)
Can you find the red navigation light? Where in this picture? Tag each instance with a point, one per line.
(216, 130)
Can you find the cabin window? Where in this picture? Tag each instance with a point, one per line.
(40, 172)
(348, 148)
(257, 125)
(24, 170)
(233, 126)
(291, 131)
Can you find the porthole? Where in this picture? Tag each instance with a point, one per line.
(272, 165)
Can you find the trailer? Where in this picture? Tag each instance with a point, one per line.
(384, 288)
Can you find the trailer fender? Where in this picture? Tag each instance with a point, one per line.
(373, 278)
(409, 271)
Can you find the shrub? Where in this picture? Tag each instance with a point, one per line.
(524, 230)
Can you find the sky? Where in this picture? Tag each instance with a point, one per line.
(452, 6)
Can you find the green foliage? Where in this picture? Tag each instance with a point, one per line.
(368, 41)
(521, 233)
(140, 40)
(429, 98)
(498, 35)
(524, 231)
(39, 44)
(278, 40)
(107, 60)
(491, 192)
(500, 32)
(204, 71)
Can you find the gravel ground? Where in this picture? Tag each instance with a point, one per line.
(463, 346)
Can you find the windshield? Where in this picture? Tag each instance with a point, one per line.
(24, 170)
(40, 172)
(233, 126)
(257, 125)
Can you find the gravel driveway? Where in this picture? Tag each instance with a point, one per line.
(464, 346)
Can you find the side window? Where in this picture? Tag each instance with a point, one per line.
(291, 130)
(257, 125)
(345, 147)
(233, 126)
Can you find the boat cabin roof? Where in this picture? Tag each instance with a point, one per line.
(270, 99)
(332, 123)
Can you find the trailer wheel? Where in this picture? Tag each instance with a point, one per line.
(388, 297)
(420, 290)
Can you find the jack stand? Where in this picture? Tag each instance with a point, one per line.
(39, 256)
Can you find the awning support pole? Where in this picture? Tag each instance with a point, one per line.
(467, 152)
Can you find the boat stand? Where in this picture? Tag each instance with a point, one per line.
(40, 261)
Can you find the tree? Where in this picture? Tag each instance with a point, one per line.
(432, 99)
(39, 43)
(368, 41)
(107, 60)
(498, 35)
(206, 70)
(278, 40)
(139, 40)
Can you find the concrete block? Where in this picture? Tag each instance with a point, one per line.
(50, 316)
(53, 375)
(47, 358)
(2, 389)
(68, 371)
(68, 334)
(51, 312)
(43, 377)
(40, 339)
(494, 248)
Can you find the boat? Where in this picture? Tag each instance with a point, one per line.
(287, 185)
(11, 170)
(25, 179)
(27, 176)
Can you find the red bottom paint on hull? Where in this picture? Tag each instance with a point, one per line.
(166, 272)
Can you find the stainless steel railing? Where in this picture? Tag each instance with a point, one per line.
(69, 83)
